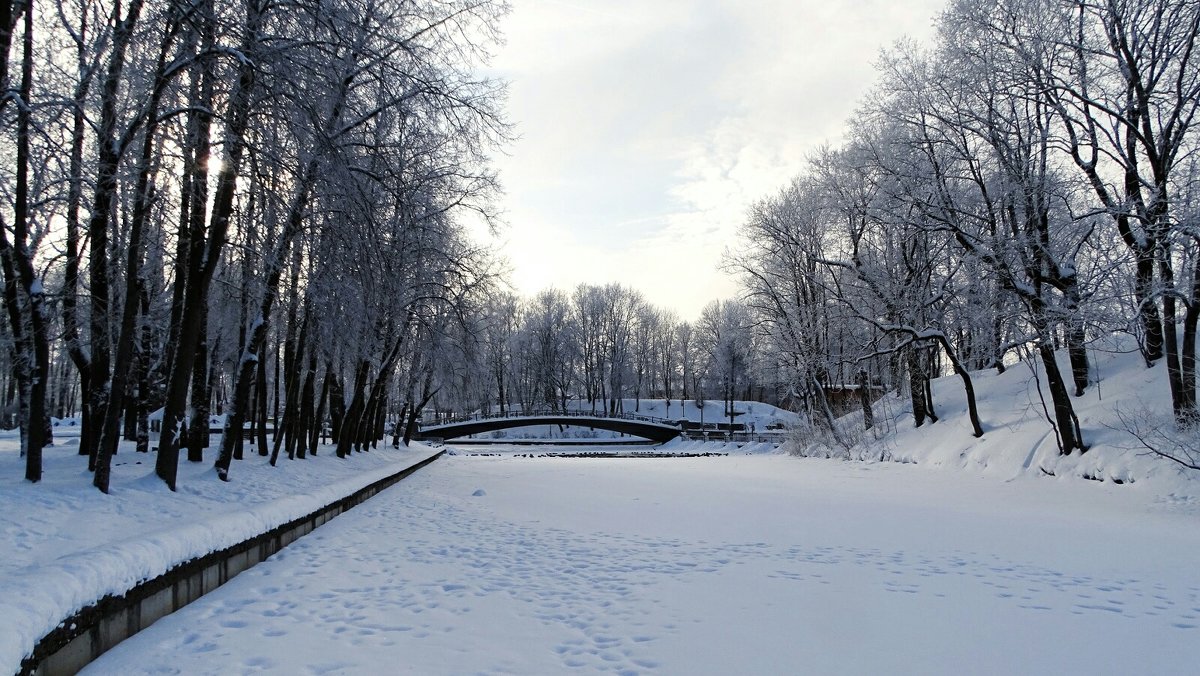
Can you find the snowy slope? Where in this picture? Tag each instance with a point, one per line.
(1019, 441)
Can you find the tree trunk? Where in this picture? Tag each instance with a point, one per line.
(1188, 357)
(1152, 323)
(1077, 351)
(864, 398)
(968, 386)
(293, 354)
(319, 418)
(308, 421)
(380, 422)
(400, 424)
(129, 407)
(827, 412)
(337, 405)
(929, 408)
(1076, 337)
(198, 431)
(245, 378)
(1064, 413)
(277, 429)
(143, 375)
(916, 385)
(354, 414)
(1179, 396)
(260, 384)
(997, 338)
(284, 431)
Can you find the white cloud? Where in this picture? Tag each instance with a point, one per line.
(648, 128)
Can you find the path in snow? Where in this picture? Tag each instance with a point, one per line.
(723, 565)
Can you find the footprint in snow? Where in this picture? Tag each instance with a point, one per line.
(479, 493)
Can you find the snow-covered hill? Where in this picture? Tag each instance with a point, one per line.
(1018, 438)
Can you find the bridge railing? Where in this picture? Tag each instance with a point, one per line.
(476, 417)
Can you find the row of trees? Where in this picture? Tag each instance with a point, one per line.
(196, 191)
(604, 348)
(1030, 182)
(258, 207)
(601, 345)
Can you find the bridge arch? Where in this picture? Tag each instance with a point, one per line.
(653, 430)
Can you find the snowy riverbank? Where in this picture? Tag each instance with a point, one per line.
(1018, 439)
(67, 545)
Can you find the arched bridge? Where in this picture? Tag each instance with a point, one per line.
(654, 429)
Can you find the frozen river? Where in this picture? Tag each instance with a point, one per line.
(741, 564)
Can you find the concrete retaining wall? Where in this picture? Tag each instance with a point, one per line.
(90, 632)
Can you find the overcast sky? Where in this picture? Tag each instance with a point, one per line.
(647, 127)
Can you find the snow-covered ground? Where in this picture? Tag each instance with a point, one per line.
(64, 545)
(758, 564)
